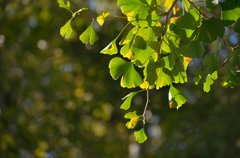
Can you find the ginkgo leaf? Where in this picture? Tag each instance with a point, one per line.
(140, 136)
(198, 76)
(236, 27)
(145, 84)
(209, 81)
(128, 99)
(234, 55)
(111, 48)
(193, 49)
(168, 4)
(211, 61)
(186, 4)
(228, 17)
(101, 18)
(179, 71)
(210, 30)
(156, 73)
(176, 98)
(63, 5)
(130, 77)
(89, 35)
(134, 118)
(187, 21)
(231, 79)
(66, 30)
(211, 4)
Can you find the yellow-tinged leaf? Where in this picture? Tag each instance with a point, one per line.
(133, 121)
(168, 4)
(101, 18)
(186, 62)
(175, 9)
(171, 105)
(144, 85)
(130, 15)
(129, 54)
(173, 19)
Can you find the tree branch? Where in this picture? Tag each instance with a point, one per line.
(145, 109)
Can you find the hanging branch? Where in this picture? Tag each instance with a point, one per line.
(145, 109)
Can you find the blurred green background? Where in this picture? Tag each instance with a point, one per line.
(57, 98)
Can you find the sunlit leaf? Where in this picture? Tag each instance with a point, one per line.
(231, 79)
(179, 71)
(140, 136)
(230, 16)
(111, 48)
(89, 35)
(130, 77)
(127, 103)
(176, 98)
(101, 18)
(63, 5)
(186, 4)
(156, 73)
(134, 118)
(209, 81)
(66, 30)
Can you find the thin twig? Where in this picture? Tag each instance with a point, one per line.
(198, 9)
(144, 112)
(165, 28)
(94, 17)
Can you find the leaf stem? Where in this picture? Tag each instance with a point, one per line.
(165, 28)
(145, 109)
(95, 17)
(198, 9)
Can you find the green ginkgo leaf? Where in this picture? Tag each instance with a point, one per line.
(211, 61)
(179, 71)
(176, 98)
(134, 118)
(101, 18)
(111, 48)
(193, 49)
(234, 55)
(210, 30)
(156, 73)
(128, 99)
(130, 77)
(209, 81)
(198, 76)
(89, 35)
(231, 79)
(187, 21)
(211, 4)
(66, 30)
(140, 136)
(63, 5)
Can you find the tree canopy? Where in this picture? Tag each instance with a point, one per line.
(58, 97)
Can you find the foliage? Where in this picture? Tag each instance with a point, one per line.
(157, 50)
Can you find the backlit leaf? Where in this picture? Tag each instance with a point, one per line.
(66, 30)
(140, 136)
(187, 21)
(127, 103)
(63, 5)
(134, 118)
(130, 77)
(209, 81)
(230, 16)
(176, 98)
(111, 48)
(89, 35)
(101, 18)
(231, 79)
(211, 61)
